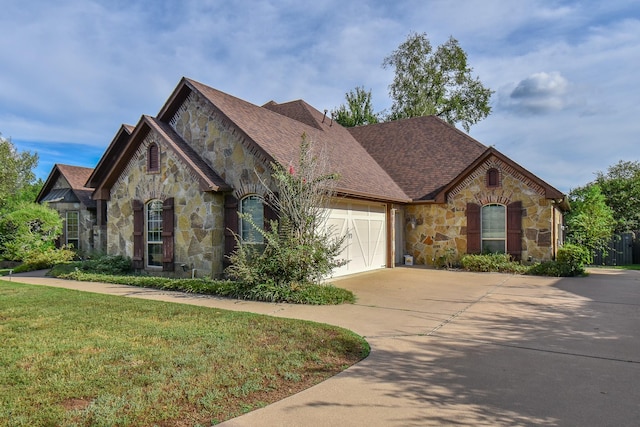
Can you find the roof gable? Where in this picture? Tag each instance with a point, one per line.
(422, 154)
(76, 177)
(207, 178)
(110, 156)
(537, 184)
(278, 136)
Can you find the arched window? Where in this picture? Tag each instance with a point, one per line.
(494, 228)
(153, 158)
(253, 207)
(493, 178)
(154, 233)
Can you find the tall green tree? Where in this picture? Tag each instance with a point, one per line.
(435, 82)
(621, 188)
(590, 222)
(358, 111)
(16, 170)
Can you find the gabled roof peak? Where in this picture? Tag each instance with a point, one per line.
(297, 110)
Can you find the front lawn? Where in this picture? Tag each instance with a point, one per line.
(76, 358)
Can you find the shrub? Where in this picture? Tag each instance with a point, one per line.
(574, 258)
(316, 294)
(570, 262)
(108, 264)
(41, 259)
(499, 263)
(30, 228)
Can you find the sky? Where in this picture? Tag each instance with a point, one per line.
(565, 73)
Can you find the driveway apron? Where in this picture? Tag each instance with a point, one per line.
(457, 348)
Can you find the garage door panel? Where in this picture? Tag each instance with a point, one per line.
(365, 226)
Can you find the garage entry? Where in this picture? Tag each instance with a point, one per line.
(366, 228)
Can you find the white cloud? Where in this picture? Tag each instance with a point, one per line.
(539, 93)
(74, 70)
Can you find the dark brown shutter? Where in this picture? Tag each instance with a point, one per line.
(138, 235)
(167, 235)
(269, 215)
(153, 158)
(514, 230)
(230, 226)
(473, 229)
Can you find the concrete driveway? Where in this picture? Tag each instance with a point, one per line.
(456, 348)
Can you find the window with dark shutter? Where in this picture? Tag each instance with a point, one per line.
(167, 235)
(153, 158)
(473, 228)
(514, 230)
(138, 234)
(230, 226)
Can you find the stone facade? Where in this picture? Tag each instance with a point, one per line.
(199, 215)
(221, 147)
(86, 219)
(439, 230)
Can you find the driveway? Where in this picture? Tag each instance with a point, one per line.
(456, 348)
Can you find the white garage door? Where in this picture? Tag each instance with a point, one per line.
(365, 226)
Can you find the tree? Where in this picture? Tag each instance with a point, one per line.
(16, 170)
(439, 82)
(621, 189)
(590, 221)
(298, 249)
(358, 110)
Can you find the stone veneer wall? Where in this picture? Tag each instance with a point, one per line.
(199, 216)
(442, 227)
(86, 219)
(198, 233)
(221, 146)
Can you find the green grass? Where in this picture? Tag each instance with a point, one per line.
(73, 358)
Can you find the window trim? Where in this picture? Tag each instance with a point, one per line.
(260, 222)
(156, 232)
(482, 227)
(77, 229)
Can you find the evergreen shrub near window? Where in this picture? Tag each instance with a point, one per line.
(499, 263)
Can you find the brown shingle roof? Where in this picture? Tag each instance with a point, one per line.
(421, 154)
(279, 136)
(76, 176)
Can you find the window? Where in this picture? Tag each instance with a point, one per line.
(154, 233)
(494, 229)
(72, 229)
(153, 158)
(253, 207)
(493, 178)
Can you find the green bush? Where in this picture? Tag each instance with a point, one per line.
(574, 258)
(316, 294)
(108, 264)
(41, 259)
(570, 262)
(499, 263)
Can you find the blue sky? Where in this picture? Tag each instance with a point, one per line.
(564, 72)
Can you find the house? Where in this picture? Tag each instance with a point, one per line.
(167, 191)
(65, 191)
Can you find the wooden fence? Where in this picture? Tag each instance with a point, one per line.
(624, 249)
